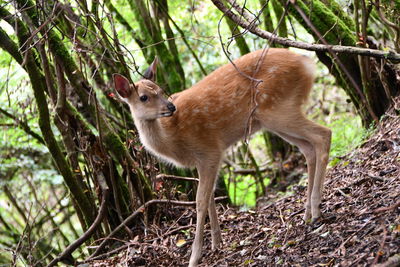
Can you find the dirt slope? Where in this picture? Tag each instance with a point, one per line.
(361, 224)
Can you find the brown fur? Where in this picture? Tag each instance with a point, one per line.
(214, 114)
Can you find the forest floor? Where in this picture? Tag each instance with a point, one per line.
(360, 224)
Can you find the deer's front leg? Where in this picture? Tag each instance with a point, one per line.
(204, 192)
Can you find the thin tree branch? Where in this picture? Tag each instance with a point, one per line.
(390, 55)
(174, 177)
(137, 212)
(66, 254)
(339, 62)
(24, 126)
(395, 28)
(243, 12)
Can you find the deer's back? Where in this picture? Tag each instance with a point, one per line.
(215, 112)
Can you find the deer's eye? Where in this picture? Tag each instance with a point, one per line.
(144, 98)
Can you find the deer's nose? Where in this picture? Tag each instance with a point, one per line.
(171, 107)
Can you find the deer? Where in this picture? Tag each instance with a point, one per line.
(193, 128)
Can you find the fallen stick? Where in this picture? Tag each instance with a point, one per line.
(137, 212)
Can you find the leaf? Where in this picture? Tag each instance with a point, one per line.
(248, 261)
(324, 234)
(180, 243)
(291, 242)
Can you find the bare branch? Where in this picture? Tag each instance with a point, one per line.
(174, 177)
(140, 210)
(242, 11)
(23, 125)
(395, 57)
(102, 212)
(395, 28)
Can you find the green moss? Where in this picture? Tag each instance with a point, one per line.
(334, 30)
(114, 144)
(339, 12)
(59, 49)
(54, 148)
(10, 46)
(150, 36)
(30, 8)
(341, 30)
(278, 10)
(87, 127)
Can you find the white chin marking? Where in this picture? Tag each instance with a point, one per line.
(166, 114)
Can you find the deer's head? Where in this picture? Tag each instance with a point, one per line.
(145, 98)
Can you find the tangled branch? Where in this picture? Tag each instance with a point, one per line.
(395, 57)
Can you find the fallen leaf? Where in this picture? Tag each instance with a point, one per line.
(180, 243)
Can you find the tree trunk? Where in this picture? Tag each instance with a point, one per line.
(373, 96)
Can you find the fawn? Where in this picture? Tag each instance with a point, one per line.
(196, 126)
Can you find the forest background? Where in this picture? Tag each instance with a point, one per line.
(70, 158)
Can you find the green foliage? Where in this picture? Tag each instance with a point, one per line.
(243, 191)
(347, 134)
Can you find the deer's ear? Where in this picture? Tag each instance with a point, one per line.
(150, 73)
(122, 86)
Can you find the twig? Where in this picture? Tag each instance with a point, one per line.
(390, 208)
(103, 208)
(238, 170)
(381, 246)
(183, 227)
(23, 125)
(242, 11)
(174, 177)
(350, 237)
(108, 253)
(137, 212)
(27, 44)
(251, 171)
(395, 57)
(391, 262)
(360, 182)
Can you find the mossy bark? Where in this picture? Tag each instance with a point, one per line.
(59, 159)
(267, 18)
(83, 89)
(337, 27)
(279, 13)
(39, 88)
(240, 41)
(162, 11)
(152, 37)
(274, 25)
(112, 141)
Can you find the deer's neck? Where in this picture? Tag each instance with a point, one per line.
(157, 139)
(151, 134)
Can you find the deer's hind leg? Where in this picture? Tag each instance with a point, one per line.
(314, 142)
(307, 149)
